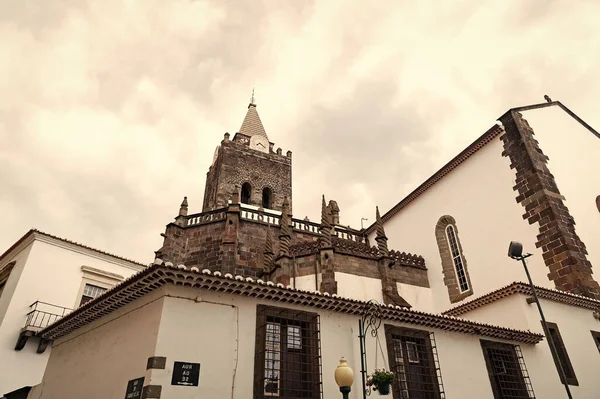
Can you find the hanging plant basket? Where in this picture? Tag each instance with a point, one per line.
(383, 388)
(380, 381)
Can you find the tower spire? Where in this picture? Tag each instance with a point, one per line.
(252, 125)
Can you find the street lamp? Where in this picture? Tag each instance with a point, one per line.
(515, 251)
(344, 377)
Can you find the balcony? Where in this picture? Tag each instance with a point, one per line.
(40, 316)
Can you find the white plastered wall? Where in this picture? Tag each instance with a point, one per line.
(420, 298)
(47, 273)
(574, 324)
(478, 195)
(217, 330)
(358, 287)
(97, 361)
(305, 283)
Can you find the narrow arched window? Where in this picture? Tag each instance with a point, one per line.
(457, 259)
(245, 195)
(454, 263)
(267, 195)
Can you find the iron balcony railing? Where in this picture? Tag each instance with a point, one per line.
(43, 314)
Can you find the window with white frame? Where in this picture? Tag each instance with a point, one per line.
(457, 259)
(454, 263)
(91, 292)
(94, 283)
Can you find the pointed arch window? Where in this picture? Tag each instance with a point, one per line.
(454, 263)
(267, 198)
(246, 193)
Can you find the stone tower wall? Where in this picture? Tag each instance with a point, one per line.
(237, 164)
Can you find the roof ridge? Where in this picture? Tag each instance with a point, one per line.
(34, 231)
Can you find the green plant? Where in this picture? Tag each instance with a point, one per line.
(379, 377)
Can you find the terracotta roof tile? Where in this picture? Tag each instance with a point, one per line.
(524, 289)
(158, 275)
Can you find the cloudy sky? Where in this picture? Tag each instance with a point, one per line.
(110, 111)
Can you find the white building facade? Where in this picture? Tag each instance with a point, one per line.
(42, 279)
(502, 188)
(244, 338)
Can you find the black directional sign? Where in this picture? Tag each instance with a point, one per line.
(186, 374)
(134, 388)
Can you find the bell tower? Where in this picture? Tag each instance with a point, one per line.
(248, 166)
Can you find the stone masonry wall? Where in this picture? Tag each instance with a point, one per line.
(211, 187)
(210, 246)
(238, 164)
(368, 268)
(564, 252)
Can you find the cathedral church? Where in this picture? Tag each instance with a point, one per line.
(245, 300)
(247, 227)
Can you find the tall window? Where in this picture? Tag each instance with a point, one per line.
(91, 292)
(245, 195)
(413, 358)
(457, 259)
(507, 372)
(266, 198)
(454, 263)
(563, 356)
(287, 358)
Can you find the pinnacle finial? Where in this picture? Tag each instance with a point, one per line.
(252, 98)
(183, 209)
(268, 252)
(325, 229)
(380, 237)
(285, 234)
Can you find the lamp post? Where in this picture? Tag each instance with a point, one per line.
(515, 251)
(344, 377)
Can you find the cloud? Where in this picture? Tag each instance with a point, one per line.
(110, 111)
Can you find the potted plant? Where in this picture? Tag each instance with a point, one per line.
(380, 380)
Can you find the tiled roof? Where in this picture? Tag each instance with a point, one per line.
(160, 274)
(35, 231)
(478, 144)
(524, 289)
(252, 126)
